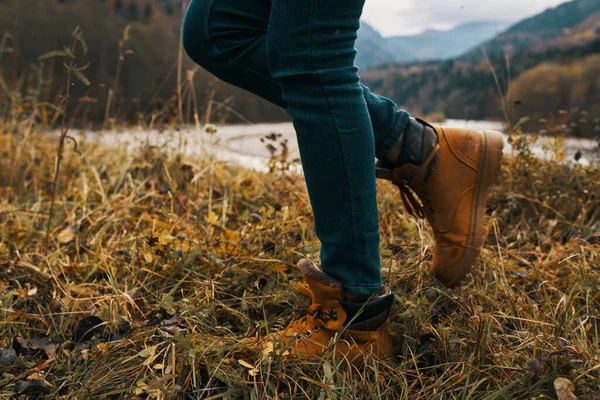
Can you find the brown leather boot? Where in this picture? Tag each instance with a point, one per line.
(452, 186)
(350, 329)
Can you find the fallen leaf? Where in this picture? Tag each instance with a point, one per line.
(135, 296)
(87, 328)
(251, 369)
(166, 238)
(36, 370)
(212, 218)
(8, 355)
(32, 386)
(175, 318)
(148, 257)
(20, 345)
(170, 331)
(267, 349)
(43, 342)
(32, 291)
(67, 235)
(564, 389)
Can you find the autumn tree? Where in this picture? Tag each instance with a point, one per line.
(133, 12)
(148, 11)
(118, 6)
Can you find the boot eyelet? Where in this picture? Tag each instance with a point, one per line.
(298, 338)
(334, 315)
(316, 329)
(308, 333)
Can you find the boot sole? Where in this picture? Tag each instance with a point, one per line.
(489, 168)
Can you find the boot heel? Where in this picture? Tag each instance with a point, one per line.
(491, 160)
(489, 168)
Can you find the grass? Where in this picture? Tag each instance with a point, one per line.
(181, 258)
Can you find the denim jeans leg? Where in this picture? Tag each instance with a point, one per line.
(228, 38)
(310, 53)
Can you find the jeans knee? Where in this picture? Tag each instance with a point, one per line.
(285, 58)
(291, 57)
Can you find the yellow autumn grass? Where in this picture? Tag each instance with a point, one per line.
(181, 258)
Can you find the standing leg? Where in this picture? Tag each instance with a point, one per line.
(311, 55)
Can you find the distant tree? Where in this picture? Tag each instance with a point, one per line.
(170, 9)
(148, 11)
(133, 12)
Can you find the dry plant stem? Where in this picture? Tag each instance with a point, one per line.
(111, 105)
(192, 90)
(180, 66)
(116, 86)
(61, 144)
(107, 112)
(503, 99)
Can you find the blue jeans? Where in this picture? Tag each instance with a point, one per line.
(299, 54)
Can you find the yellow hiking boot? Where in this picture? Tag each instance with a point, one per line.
(451, 183)
(350, 329)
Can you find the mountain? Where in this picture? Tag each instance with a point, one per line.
(375, 50)
(372, 48)
(536, 30)
(552, 69)
(440, 45)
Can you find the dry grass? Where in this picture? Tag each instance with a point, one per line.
(182, 258)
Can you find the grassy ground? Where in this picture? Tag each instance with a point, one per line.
(181, 258)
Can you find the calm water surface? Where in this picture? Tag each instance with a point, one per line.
(242, 144)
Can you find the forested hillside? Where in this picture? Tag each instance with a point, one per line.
(549, 56)
(148, 71)
(556, 74)
(539, 29)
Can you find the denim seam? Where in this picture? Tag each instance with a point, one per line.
(337, 133)
(395, 134)
(216, 48)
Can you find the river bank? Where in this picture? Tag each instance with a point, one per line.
(252, 145)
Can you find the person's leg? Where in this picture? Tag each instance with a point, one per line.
(228, 38)
(310, 52)
(450, 170)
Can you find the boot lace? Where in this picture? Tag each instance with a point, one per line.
(315, 320)
(418, 208)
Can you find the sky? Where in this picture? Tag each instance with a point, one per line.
(408, 17)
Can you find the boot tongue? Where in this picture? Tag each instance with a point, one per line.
(323, 287)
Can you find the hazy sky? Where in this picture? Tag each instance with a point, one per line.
(405, 17)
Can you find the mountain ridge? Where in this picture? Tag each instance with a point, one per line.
(375, 50)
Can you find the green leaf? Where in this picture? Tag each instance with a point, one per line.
(52, 106)
(52, 54)
(68, 52)
(86, 66)
(81, 77)
(79, 37)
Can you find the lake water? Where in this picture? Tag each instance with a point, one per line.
(242, 144)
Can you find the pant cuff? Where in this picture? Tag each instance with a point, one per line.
(394, 134)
